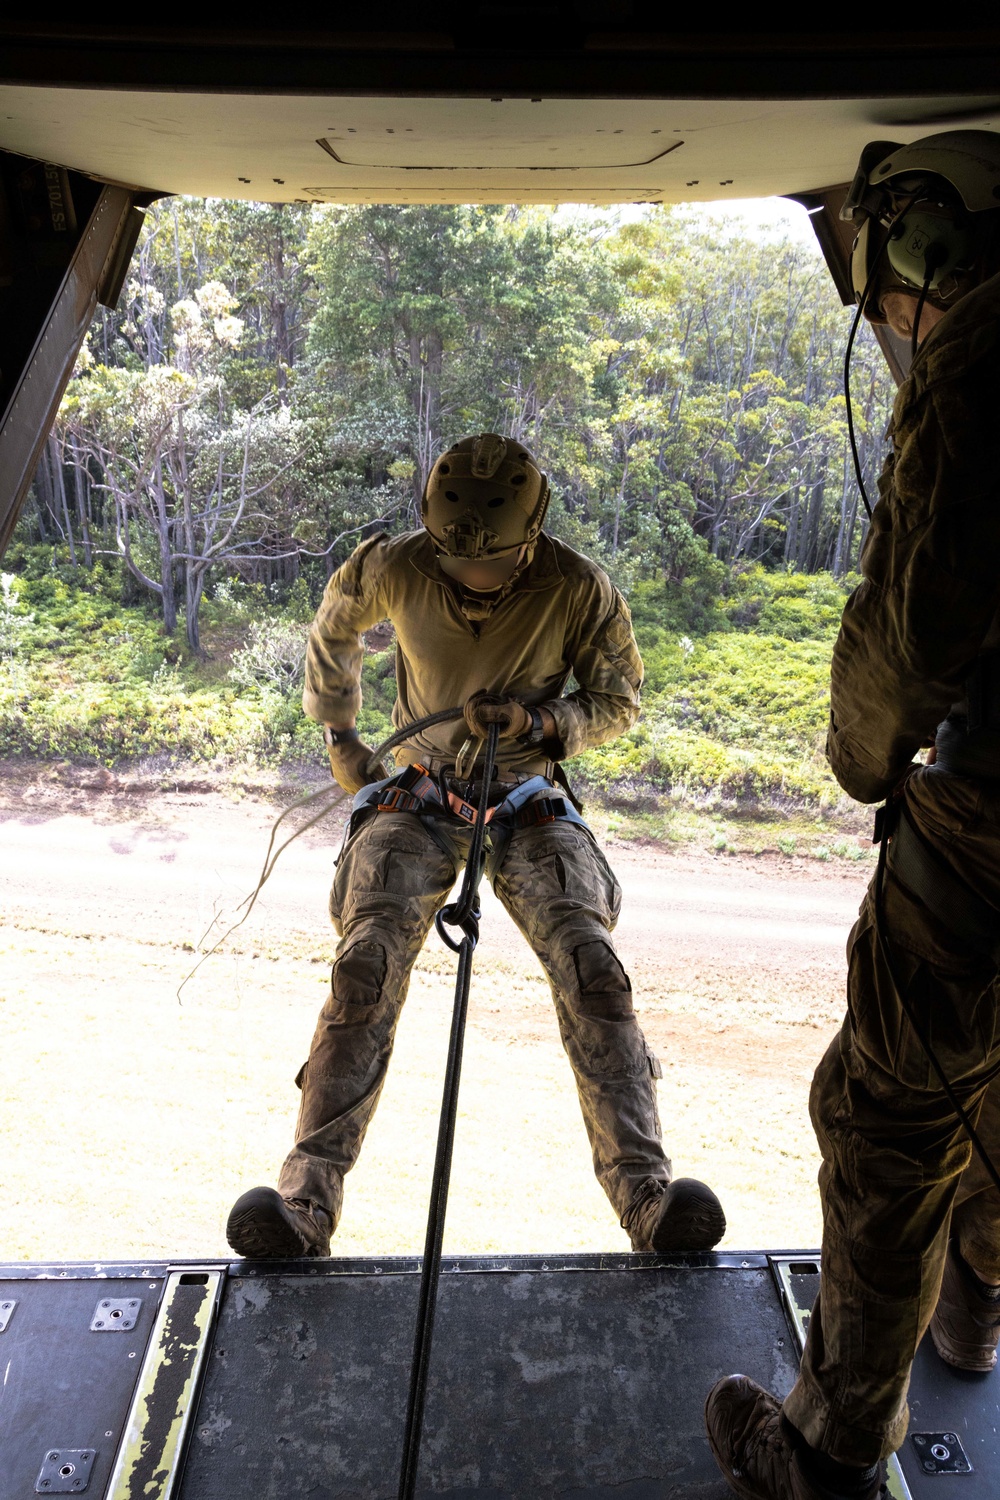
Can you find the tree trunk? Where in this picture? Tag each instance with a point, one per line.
(279, 312)
(169, 594)
(194, 588)
(619, 500)
(81, 503)
(43, 493)
(59, 481)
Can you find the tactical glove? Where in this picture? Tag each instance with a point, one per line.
(484, 709)
(349, 757)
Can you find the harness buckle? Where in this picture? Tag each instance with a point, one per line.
(542, 810)
(409, 790)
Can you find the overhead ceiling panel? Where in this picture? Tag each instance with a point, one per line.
(348, 149)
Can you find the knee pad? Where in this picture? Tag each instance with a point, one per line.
(358, 976)
(605, 989)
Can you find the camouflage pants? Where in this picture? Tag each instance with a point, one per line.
(391, 881)
(898, 1176)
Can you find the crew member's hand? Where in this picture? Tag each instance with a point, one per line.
(484, 709)
(349, 757)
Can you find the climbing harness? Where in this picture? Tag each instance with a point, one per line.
(416, 791)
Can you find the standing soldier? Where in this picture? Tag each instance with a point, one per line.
(911, 1218)
(492, 613)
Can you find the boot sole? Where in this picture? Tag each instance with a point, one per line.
(947, 1351)
(955, 1315)
(695, 1220)
(258, 1228)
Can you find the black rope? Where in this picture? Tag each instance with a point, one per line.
(463, 913)
(851, 434)
(935, 257)
(919, 1031)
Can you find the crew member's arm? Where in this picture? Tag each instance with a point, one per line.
(608, 670)
(931, 585)
(353, 602)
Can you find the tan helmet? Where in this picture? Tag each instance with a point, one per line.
(485, 497)
(926, 215)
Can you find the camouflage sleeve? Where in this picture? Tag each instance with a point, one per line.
(931, 584)
(352, 602)
(608, 671)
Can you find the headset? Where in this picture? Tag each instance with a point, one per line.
(928, 222)
(945, 184)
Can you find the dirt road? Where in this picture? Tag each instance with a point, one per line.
(132, 1121)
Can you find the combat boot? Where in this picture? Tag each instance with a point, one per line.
(674, 1216)
(966, 1322)
(263, 1225)
(763, 1456)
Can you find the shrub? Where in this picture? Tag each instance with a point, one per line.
(273, 657)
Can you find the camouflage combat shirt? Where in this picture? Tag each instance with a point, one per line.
(931, 561)
(562, 617)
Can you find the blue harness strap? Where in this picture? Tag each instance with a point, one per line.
(412, 790)
(524, 808)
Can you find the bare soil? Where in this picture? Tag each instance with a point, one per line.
(132, 1120)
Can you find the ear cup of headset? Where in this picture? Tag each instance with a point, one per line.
(927, 242)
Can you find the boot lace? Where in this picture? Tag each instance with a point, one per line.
(650, 1192)
(765, 1439)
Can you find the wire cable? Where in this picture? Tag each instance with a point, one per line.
(856, 324)
(851, 434)
(464, 913)
(935, 258)
(915, 330)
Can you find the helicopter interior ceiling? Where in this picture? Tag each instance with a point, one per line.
(329, 148)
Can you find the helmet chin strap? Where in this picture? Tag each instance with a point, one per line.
(479, 604)
(512, 577)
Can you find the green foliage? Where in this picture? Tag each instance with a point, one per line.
(679, 381)
(731, 716)
(797, 606)
(274, 388)
(87, 679)
(737, 716)
(273, 658)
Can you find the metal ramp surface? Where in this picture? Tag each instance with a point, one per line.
(552, 1376)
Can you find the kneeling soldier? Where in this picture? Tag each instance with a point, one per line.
(493, 613)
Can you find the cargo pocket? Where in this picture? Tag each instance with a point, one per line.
(956, 1012)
